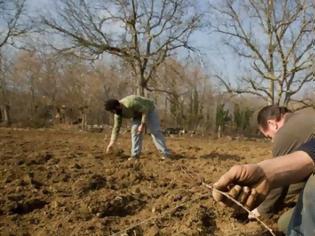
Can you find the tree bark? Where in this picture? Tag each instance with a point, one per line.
(5, 114)
(140, 88)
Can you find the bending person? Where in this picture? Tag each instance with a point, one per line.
(142, 112)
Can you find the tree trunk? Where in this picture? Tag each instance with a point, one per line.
(141, 82)
(214, 115)
(83, 116)
(166, 111)
(5, 113)
(272, 92)
(83, 122)
(219, 132)
(140, 88)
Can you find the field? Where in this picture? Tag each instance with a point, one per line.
(62, 183)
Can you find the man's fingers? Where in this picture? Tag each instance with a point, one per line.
(224, 184)
(244, 195)
(251, 177)
(216, 195)
(242, 198)
(235, 191)
(252, 199)
(228, 178)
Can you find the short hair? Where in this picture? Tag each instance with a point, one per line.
(270, 112)
(111, 104)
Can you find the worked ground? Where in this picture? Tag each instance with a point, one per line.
(61, 183)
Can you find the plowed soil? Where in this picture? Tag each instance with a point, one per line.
(61, 183)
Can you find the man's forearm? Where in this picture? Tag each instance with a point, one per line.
(288, 169)
(116, 128)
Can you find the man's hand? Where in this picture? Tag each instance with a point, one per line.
(109, 147)
(141, 128)
(247, 184)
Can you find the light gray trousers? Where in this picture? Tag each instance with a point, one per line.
(153, 124)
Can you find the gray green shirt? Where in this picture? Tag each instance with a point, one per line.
(298, 128)
(133, 107)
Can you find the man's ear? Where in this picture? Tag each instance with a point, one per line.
(271, 122)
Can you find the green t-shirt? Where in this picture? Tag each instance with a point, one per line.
(133, 107)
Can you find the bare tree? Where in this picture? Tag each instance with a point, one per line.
(44, 86)
(275, 38)
(11, 27)
(27, 78)
(140, 32)
(187, 101)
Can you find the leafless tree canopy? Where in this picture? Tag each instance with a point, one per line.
(275, 38)
(141, 32)
(12, 27)
(46, 80)
(11, 13)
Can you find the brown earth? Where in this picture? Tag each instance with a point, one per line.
(61, 183)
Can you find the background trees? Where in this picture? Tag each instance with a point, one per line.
(12, 26)
(89, 51)
(275, 40)
(143, 33)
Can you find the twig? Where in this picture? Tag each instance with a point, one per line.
(194, 175)
(239, 204)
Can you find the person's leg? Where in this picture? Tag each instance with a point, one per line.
(272, 202)
(284, 220)
(136, 139)
(292, 195)
(294, 191)
(157, 136)
(303, 218)
(276, 198)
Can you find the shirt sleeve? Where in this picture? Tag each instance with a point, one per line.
(309, 148)
(116, 127)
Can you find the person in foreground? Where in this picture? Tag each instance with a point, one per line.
(288, 131)
(142, 112)
(251, 183)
